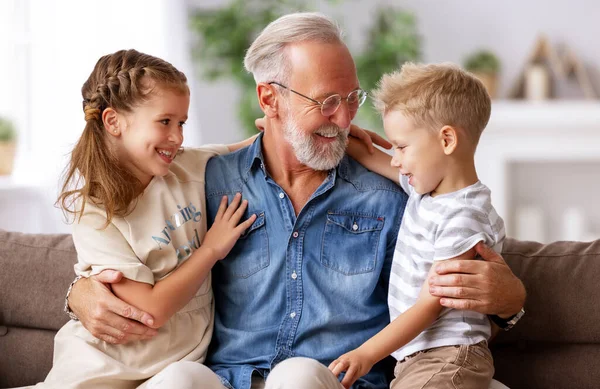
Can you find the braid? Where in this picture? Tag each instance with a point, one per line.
(120, 81)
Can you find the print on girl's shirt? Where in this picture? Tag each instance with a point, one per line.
(176, 220)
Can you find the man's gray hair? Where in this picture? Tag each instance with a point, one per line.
(266, 58)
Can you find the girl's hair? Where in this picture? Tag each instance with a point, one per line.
(121, 81)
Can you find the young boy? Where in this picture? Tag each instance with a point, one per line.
(433, 115)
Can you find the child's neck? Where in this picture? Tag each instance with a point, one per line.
(460, 173)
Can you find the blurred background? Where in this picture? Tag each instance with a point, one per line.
(540, 154)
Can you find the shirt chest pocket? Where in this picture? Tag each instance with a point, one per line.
(250, 254)
(351, 242)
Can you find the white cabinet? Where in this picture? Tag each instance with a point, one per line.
(542, 163)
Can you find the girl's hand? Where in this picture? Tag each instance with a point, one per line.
(226, 228)
(368, 138)
(354, 363)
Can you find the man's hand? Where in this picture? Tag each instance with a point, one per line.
(488, 286)
(355, 364)
(369, 138)
(104, 315)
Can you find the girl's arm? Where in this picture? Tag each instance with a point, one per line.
(378, 161)
(239, 145)
(169, 295)
(395, 335)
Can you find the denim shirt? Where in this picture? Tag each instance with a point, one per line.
(312, 285)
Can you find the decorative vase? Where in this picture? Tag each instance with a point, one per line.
(7, 157)
(537, 83)
(489, 80)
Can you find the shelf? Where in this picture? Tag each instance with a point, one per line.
(553, 115)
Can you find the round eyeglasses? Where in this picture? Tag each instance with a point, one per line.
(330, 105)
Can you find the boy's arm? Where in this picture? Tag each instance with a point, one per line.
(395, 335)
(378, 161)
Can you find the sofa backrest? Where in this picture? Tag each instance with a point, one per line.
(35, 272)
(557, 343)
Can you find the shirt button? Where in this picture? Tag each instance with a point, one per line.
(294, 275)
(281, 195)
(354, 227)
(293, 315)
(295, 234)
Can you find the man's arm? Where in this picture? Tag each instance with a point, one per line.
(488, 286)
(106, 316)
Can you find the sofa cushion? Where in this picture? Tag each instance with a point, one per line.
(36, 272)
(561, 280)
(556, 344)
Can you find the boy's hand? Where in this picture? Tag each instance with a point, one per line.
(260, 124)
(354, 363)
(226, 228)
(367, 137)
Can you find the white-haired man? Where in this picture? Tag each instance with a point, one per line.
(308, 281)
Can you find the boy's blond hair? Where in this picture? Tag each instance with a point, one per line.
(436, 95)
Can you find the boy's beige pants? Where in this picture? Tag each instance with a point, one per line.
(451, 367)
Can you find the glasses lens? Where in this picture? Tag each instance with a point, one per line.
(353, 100)
(330, 105)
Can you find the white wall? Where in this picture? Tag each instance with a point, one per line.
(62, 39)
(450, 30)
(49, 48)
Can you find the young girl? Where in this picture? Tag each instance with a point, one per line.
(139, 208)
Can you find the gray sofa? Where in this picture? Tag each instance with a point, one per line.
(556, 345)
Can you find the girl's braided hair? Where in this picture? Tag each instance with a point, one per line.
(121, 81)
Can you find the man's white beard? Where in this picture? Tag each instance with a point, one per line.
(309, 152)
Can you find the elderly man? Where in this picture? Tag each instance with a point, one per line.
(308, 280)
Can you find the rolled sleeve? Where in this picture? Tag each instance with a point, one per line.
(101, 248)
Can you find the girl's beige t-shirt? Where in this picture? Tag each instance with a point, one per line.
(163, 230)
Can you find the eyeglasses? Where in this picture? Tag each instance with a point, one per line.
(330, 105)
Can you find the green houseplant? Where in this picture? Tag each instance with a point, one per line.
(8, 136)
(392, 41)
(224, 34)
(485, 65)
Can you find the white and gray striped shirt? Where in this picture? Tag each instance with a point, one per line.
(436, 229)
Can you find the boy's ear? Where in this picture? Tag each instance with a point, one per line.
(110, 119)
(267, 99)
(449, 139)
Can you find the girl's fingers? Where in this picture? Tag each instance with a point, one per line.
(222, 207)
(237, 215)
(246, 224)
(235, 203)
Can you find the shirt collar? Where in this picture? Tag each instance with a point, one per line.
(255, 155)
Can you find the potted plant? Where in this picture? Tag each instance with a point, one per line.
(484, 65)
(7, 146)
(225, 33)
(393, 39)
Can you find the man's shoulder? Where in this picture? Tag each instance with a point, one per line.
(365, 180)
(227, 170)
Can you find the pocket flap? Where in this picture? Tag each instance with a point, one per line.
(259, 222)
(356, 223)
